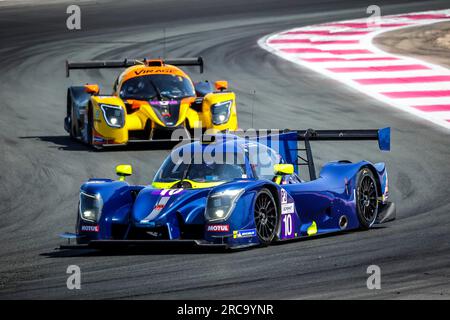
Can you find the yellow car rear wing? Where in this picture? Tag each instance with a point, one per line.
(111, 64)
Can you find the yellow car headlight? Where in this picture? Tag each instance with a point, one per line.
(221, 112)
(114, 115)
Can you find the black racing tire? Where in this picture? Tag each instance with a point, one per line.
(90, 121)
(155, 133)
(77, 225)
(148, 130)
(367, 207)
(266, 216)
(73, 132)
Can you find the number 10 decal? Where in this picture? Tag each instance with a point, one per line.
(287, 224)
(170, 192)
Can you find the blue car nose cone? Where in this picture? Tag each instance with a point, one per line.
(150, 204)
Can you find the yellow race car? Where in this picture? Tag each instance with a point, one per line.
(150, 99)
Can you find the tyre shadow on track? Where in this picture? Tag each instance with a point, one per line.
(61, 142)
(67, 144)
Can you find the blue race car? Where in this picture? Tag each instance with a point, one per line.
(234, 192)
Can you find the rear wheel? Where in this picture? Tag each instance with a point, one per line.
(266, 216)
(366, 198)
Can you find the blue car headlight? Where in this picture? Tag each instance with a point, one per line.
(221, 112)
(220, 204)
(114, 115)
(90, 206)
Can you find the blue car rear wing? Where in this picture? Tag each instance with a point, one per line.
(287, 142)
(383, 136)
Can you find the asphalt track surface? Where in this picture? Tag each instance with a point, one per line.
(42, 169)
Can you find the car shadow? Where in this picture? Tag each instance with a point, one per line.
(130, 250)
(61, 142)
(64, 142)
(79, 251)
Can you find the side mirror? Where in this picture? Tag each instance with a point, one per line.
(283, 169)
(221, 85)
(123, 170)
(92, 89)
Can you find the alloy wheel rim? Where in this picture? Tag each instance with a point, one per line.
(367, 198)
(265, 217)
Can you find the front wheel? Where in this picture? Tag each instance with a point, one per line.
(266, 216)
(366, 198)
(90, 121)
(72, 122)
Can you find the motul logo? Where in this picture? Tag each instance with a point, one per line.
(218, 228)
(90, 228)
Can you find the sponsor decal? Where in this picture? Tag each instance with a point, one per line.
(287, 208)
(156, 209)
(163, 103)
(170, 192)
(152, 70)
(287, 227)
(248, 233)
(283, 196)
(90, 228)
(159, 207)
(218, 228)
(290, 226)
